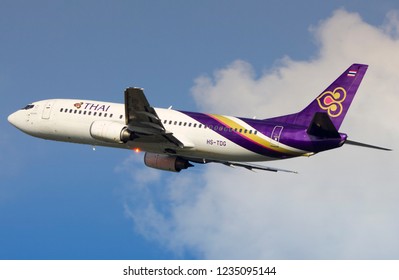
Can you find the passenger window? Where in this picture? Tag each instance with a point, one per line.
(170, 122)
(80, 112)
(200, 125)
(179, 123)
(256, 132)
(89, 113)
(75, 111)
(111, 115)
(70, 110)
(250, 132)
(245, 131)
(95, 113)
(84, 112)
(185, 124)
(105, 115)
(175, 123)
(240, 130)
(61, 110)
(121, 116)
(189, 125)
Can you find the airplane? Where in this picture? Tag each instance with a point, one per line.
(174, 140)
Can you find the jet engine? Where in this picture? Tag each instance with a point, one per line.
(112, 132)
(166, 162)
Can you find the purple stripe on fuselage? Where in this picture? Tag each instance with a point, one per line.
(236, 137)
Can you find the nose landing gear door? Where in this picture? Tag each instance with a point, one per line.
(47, 110)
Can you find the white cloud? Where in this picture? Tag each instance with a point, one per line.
(343, 204)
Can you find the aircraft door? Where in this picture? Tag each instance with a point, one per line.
(47, 110)
(276, 133)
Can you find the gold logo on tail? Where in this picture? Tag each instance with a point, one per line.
(332, 101)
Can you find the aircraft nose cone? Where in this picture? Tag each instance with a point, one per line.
(12, 119)
(15, 119)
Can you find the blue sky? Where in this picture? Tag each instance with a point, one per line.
(64, 201)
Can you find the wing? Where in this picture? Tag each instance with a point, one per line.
(251, 166)
(142, 119)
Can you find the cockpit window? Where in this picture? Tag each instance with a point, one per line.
(27, 107)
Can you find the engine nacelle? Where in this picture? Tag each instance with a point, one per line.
(166, 162)
(112, 132)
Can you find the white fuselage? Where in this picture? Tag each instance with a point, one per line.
(70, 120)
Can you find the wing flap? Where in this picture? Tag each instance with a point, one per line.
(138, 111)
(143, 120)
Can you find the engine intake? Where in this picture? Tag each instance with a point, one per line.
(112, 132)
(166, 162)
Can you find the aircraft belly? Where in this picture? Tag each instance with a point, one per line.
(68, 131)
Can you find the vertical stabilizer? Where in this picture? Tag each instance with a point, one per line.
(334, 100)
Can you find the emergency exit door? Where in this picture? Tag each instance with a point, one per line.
(47, 110)
(276, 133)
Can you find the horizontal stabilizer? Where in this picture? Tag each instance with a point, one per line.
(322, 126)
(350, 142)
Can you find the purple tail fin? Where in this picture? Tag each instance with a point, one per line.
(334, 100)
